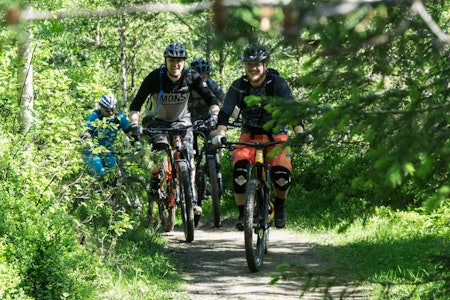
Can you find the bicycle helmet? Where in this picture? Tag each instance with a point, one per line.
(175, 50)
(108, 102)
(201, 66)
(256, 53)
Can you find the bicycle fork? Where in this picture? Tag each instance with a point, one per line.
(214, 155)
(263, 172)
(179, 154)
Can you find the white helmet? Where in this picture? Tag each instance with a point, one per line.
(108, 102)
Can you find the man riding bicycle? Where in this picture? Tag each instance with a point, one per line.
(198, 107)
(168, 89)
(259, 81)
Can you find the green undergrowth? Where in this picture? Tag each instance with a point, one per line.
(140, 267)
(393, 254)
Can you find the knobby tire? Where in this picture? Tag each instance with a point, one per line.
(201, 188)
(255, 235)
(166, 213)
(186, 200)
(215, 190)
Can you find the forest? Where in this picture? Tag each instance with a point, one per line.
(371, 82)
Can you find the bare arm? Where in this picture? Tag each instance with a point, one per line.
(220, 130)
(134, 117)
(214, 109)
(298, 129)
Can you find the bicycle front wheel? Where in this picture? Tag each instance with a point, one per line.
(166, 197)
(255, 235)
(186, 199)
(215, 190)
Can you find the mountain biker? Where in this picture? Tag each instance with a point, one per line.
(198, 108)
(257, 81)
(102, 127)
(169, 90)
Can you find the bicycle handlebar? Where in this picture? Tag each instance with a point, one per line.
(257, 145)
(204, 125)
(261, 145)
(123, 153)
(164, 130)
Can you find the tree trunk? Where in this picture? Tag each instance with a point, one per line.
(123, 61)
(25, 81)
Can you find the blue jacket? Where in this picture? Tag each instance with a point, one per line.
(106, 135)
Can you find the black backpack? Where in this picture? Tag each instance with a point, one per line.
(255, 116)
(245, 86)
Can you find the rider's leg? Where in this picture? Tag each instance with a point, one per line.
(96, 165)
(280, 173)
(239, 185)
(109, 161)
(281, 178)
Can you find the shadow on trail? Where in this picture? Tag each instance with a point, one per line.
(214, 265)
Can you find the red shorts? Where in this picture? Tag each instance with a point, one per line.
(282, 158)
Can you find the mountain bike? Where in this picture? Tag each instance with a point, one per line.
(175, 186)
(208, 171)
(259, 199)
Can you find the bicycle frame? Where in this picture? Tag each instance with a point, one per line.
(178, 176)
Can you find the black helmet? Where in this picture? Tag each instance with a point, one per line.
(201, 66)
(175, 50)
(256, 53)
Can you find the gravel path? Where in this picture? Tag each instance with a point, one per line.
(214, 266)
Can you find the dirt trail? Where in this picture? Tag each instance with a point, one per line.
(217, 269)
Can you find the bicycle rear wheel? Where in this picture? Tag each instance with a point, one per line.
(255, 235)
(215, 190)
(186, 199)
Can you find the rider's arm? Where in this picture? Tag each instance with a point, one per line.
(298, 129)
(149, 85)
(134, 117)
(89, 126)
(205, 92)
(229, 105)
(215, 88)
(282, 90)
(214, 109)
(220, 95)
(235, 113)
(221, 129)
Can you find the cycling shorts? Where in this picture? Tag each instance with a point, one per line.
(282, 158)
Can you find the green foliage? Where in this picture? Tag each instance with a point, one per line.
(401, 252)
(40, 234)
(372, 86)
(387, 255)
(10, 279)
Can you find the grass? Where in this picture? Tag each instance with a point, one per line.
(394, 254)
(140, 267)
